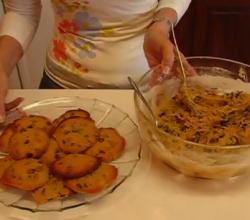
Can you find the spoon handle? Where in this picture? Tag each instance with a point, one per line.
(138, 92)
(184, 77)
(187, 96)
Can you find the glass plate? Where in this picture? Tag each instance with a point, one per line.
(105, 115)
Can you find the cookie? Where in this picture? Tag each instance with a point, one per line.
(30, 143)
(53, 189)
(52, 153)
(76, 134)
(95, 182)
(109, 146)
(26, 174)
(69, 114)
(74, 165)
(5, 138)
(4, 164)
(33, 121)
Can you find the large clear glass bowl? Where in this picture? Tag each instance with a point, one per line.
(192, 159)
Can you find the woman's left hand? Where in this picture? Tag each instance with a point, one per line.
(158, 48)
(160, 51)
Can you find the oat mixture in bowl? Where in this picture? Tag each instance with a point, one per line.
(214, 140)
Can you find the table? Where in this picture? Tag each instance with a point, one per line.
(154, 191)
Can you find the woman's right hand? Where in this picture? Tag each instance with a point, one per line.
(3, 93)
(10, 53)
(4, 108)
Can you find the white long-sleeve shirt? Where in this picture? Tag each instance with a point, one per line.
(96, 43)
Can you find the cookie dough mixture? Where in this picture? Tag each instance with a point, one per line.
(219, 118)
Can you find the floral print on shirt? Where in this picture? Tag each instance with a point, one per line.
(64, 6)
(87, 48)
(85, 22)
(75, 28)
(59, 50)
(66, 26)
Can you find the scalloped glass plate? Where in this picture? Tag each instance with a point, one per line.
(105, 115)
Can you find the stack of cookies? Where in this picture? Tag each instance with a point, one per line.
(55, 159)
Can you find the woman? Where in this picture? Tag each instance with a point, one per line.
(96, 44)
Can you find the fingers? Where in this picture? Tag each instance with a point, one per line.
(163, 55)
(189, 69)
(159, 74)
(2, 110)
(163, 71)
(152, 60)
(168, 56)
(3, 93)
(155, 76)
(7, 107)
(13, 104)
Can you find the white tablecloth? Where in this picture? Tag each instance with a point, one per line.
(154, 191)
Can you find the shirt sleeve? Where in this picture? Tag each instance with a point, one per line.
(21, 20)
(180, 6)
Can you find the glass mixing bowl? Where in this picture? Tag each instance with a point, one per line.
(190, 158)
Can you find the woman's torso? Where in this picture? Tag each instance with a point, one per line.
(98, 43)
